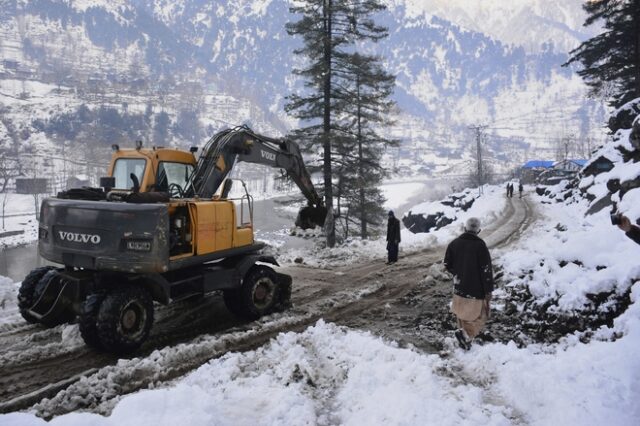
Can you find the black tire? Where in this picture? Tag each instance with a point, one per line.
(88, 319)
(232, 301)
(27, 293)
(124, 319)
(259, 293)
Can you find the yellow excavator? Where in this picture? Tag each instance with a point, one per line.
(160, 228)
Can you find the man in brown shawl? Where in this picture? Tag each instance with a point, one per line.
(468, 259)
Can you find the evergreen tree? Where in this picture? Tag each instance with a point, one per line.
(328, 29)
(611, 60)
(367, 107)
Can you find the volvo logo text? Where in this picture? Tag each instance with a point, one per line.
(79, 238)
(268, 155)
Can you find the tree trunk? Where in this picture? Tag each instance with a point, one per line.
(328, 190)
(363, 215)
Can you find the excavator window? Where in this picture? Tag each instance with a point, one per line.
(123, 169)
(173, 176)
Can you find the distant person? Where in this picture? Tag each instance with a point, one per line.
(520, 189)
(393, 238)
(468, 259)
(508, 189)
(632, 231)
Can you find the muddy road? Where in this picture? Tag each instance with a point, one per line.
(51, 371)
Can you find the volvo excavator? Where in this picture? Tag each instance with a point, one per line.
(159, 229)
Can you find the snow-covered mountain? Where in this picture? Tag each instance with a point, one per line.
(230, 61)
(536, 25)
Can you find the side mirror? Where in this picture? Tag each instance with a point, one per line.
(108, 183)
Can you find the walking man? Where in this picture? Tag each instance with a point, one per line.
(468, 259)
(520, 189)
(393, 238)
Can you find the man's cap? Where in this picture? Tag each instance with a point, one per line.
(390, 212)
(472, 225)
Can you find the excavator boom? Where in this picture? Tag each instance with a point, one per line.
(226, 148)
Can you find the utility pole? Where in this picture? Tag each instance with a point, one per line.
(479, 133)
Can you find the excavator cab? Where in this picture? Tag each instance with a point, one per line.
(154, 170)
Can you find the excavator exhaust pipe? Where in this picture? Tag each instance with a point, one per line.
(311, 216)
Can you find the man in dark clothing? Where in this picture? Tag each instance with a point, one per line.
(393, 238)
(520, 189)
(468, 259)
(632, 231)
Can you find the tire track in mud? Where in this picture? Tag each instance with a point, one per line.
(205, 323)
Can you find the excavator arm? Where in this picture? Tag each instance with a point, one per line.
(226, 148)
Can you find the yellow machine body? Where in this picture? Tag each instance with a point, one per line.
(212, 223)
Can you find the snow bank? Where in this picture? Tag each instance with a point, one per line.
(325, 375)
(331, 375)
(569, 257)
(571, 383)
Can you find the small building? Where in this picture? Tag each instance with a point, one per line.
(532, 169)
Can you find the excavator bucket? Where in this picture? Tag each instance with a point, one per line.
(311, 216)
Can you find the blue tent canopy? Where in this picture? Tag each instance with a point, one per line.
(538, 164)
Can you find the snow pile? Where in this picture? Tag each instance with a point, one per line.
(572, 273)
(326, 375)
(330, 375)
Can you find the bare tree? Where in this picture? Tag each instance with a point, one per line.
(10, 168)
(4, 205)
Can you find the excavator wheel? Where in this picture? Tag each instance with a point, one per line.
(258, 295)
(88, 319)
(124, 319)
(30, 292)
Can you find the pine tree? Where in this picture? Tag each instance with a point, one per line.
(611, 60)
(328, 29)
(368, 107)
